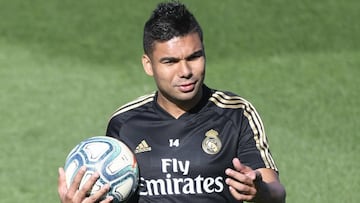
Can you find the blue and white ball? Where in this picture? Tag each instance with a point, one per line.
(114, 161)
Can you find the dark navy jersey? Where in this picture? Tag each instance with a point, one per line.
(184, 159)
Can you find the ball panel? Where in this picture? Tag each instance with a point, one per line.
(70, 171)
(121, 189)
(114, 161)
(95, 150)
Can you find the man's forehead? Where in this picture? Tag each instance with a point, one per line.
(178, 46)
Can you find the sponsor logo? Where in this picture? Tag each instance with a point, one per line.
(142, 147)
(176, 181)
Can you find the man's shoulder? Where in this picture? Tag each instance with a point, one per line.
(134, 106)
(228, 100)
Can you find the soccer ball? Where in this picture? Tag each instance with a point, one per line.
(112, 159)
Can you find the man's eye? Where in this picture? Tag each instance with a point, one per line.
(194, 57)
(169, 62)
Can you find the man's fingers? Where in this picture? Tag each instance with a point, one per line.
(240, 196)
(239, 166)
(240, 187)
(244, 169)
(101, 193)
(76, 194)
(238, 176)
(74, 186)
(62, 188)
(84, 190)
(108, 199)
(241, 181)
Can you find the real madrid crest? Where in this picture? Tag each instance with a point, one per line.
(212, 143)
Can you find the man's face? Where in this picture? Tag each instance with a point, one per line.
(178, 67)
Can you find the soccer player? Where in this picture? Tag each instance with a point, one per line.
(192, 143)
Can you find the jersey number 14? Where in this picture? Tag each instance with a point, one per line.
(174, 142)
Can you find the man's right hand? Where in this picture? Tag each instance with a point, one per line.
(75, 195)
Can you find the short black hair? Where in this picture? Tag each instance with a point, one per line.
(169, 20)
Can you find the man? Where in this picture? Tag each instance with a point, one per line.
(192, 143)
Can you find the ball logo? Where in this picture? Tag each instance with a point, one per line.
(212, 143)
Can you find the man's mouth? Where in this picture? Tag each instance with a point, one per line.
(187, 87)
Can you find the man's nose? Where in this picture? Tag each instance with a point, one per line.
(185, 70)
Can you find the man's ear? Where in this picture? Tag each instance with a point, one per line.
(147, 65)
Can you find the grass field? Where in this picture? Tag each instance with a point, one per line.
(65, 66)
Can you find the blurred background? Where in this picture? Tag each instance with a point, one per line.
(65, 66)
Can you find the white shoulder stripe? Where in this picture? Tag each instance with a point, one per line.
(134, 104)
(223, 100)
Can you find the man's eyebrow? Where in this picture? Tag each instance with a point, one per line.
(196, 54)
(175, 59)
(168, 59)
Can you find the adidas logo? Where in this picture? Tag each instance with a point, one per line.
(142, 147)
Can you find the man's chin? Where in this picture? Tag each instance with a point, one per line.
(190, 96)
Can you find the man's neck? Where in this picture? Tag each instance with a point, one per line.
(178, 108)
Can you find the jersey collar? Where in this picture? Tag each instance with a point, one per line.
(197, 108)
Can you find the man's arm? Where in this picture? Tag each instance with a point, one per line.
(261, 185)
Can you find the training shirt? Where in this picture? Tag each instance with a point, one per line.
(184, 159)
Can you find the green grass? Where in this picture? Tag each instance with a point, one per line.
(66, 65)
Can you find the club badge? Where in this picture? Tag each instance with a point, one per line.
(212, 143)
